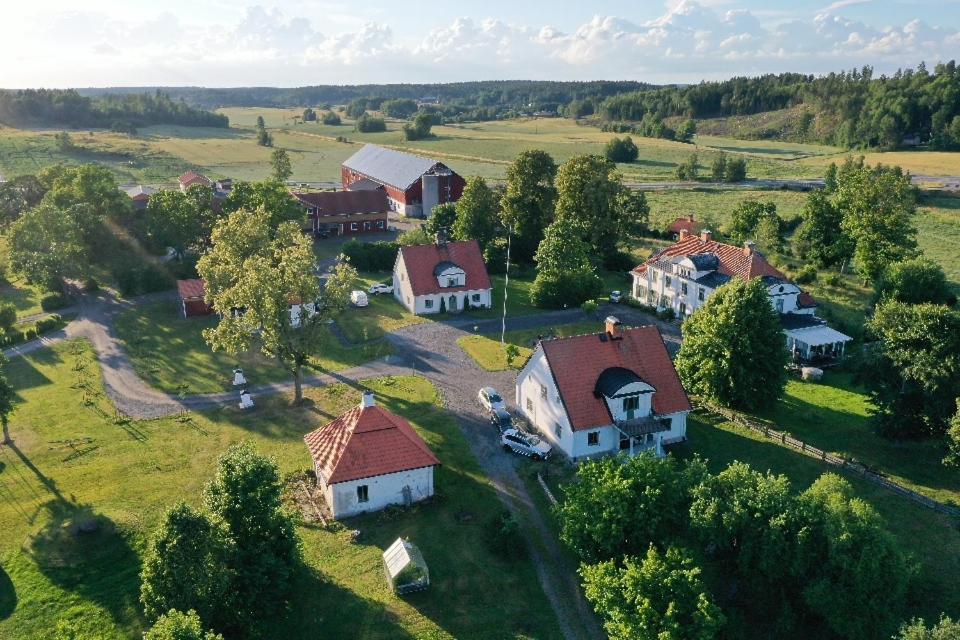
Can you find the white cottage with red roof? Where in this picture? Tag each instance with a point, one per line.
(684, 275)
(370, 458)
(603, 394)
(445, 276)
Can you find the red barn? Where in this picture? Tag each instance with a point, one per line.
(414, 184)
(346, 212)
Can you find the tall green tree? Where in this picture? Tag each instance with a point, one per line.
(656, 597)
(953, 438)
(946, 629)
(527, 206)
(282, 167)
(718, 168)
(270, 195)
(246, 495)
(7, 399)
(621, 150)
(746, 217)
(17, 196)
(419, 128)
(590, 198)
(48, 244)
(175, 625)
(689, 169)
(185, 567)
(915, 281)
(91, 185)
(820, 236)
(566, 275)
(733, 351)
(183, 221)
(477, 212)
(250, 267)
(442, 218)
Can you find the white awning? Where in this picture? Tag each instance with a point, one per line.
(817, 336)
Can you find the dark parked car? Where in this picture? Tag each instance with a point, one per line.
(501, 420)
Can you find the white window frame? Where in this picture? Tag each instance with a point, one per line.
(593, 438)
(363, 493)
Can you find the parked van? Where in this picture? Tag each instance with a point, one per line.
(359, 298)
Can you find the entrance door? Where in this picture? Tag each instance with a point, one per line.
(452, 304)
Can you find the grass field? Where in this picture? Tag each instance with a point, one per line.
(383, 315)
(74, 460)
(13, 287)
(168, 351)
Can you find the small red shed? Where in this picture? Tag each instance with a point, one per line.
(192, 298)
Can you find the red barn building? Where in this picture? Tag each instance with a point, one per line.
(414, 184)
(344, 213)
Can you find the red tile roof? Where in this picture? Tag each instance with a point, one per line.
(680, 224)
(422, 259)
(366, 442)
(342, 203)
(192, 177)
(805, 300)
(733, 262)
(577, 362)
(190, 289)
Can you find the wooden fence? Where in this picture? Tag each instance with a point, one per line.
(843, 464)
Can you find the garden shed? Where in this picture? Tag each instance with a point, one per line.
(405, 567)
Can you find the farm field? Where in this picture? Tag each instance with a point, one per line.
(75, 462)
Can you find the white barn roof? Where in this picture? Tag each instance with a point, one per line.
(818, 336)
(394, 168)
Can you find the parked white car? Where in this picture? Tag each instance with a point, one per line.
(359, 298)
(525, 444)
(490, 400)
(380, 288)
(616, 297)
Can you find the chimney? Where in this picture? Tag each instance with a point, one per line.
(613, 328)
(683, 234)
(706, 235)
(749, 247)
(367, 400)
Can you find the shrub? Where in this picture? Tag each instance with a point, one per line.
(53, 301)
(495, 255)
(91, 285)
(139, 280)
(590, 307)
(621, 150)
(47, 324)
(371, 256)
(832, 280)
(8, 314)
(369, 124)
(806, 275)
(666, 314)
(555, 291)
(331, 118)
(506, 537)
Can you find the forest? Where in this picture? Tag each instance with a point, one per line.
(121, 112)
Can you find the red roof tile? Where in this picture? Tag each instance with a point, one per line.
(805, 300)
(190, 289)
(577, 362)
(422, 259)
(733, 262)
(366, 442)
(192, 177)
(341, 203)
(680, 224)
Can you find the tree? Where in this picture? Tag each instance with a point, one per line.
(180, 220)
(174, 625)
(916, 629)
(657, 597)
(747, 215)
(621, 150)
(7, 399)
(246, 495)
(185, 567)
(415, 235)
(769, 234)
(419, 128)
(733, 352)
(17, 196)
(282, 168)
(264, 139)
(270, 195)
(47, 244)
(621, 506)
(309, 115)
(686, 131)
(369, 124)
(878, 205)
(401, 108)
(855, 577)
(476, 217)
(8, 315)
(689, 169)
(718, 168)
(820, 236)
(254, 269)
(331, 118)
(915, 281)
(565, 274)
(736, 170)
(63, 141)
(590, 198)
(442, 218)
(953, 437)
(527, 206)
(260, 123)
(913, 370)
(91, 185)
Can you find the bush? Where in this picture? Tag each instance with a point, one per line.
(48, 324)
(832, 280)
(8, 315)
(590, 307)
(331, 118)
(666, 314)
(495, 255)
(556, 291)
(505, 536)
(369, 124)
(91, 285)
(53, 301)
(136, 281)
(371, 256)
(806, 275)
(621, 150)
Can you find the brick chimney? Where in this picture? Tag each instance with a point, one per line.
(613, 328)
(706, 235)
(683, 234)
(367, 400)
(749, 247)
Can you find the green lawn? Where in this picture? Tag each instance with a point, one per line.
(168, 351)
(383, 315)
(13, 288)
(74, 459)
(714, 206)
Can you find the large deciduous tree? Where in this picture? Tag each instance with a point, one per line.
(746, 217)
(262, 273)
(48, 244)
(17, 196)
(282, 167)
(656, 597)
(733, 350)
(441, 219)
(820, 236)
(182, 221)
(270, 195)
(916, 629)
(476, 213)
(915, 281)
(527, 206)
(566, 275)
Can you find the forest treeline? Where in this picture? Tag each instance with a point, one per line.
(854, 109)
(121, 112)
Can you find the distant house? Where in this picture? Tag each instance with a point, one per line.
(193, 298)
(684, 275)
(445, 276)
(191, 178)
(687, 224)
(414, 184)
(602, 394)
(369, 458)
(140, 195)
(346, 212)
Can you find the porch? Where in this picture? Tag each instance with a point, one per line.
(638, 435)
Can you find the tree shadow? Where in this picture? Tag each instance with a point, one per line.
(8, 595)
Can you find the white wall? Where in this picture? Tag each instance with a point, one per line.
(546, 413)
(402, 290)
(458, 275)
(645, 392)
(382, 491)
(421, 308)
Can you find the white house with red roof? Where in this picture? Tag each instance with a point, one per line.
(604, 393)
(444, 276)
(370, 458)
(684, 275)
(191, 178)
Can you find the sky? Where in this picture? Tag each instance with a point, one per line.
(221, 43)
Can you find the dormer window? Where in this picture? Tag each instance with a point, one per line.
(631, 403)
(451, 282)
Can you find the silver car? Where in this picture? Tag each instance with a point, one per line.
(525, 444)
(490, 400)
